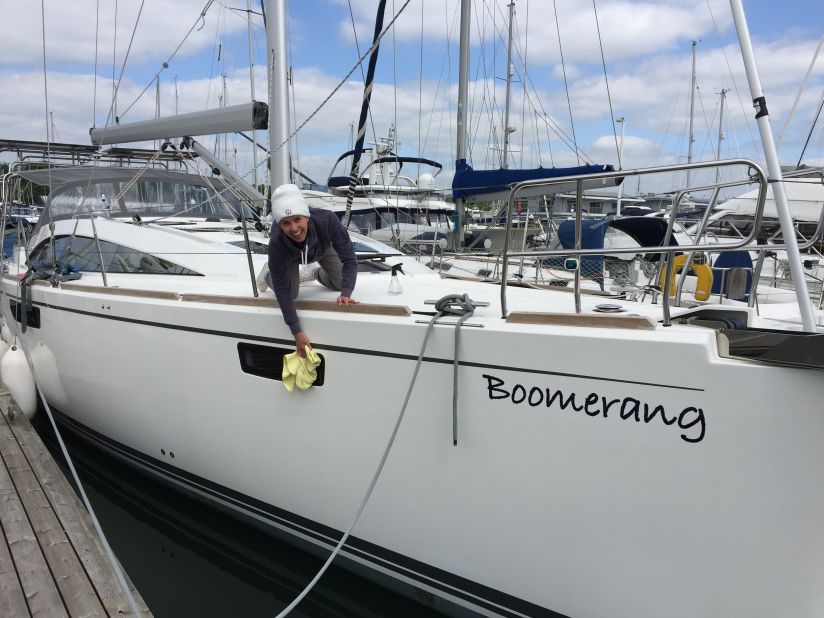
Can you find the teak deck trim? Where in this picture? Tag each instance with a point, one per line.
(76, 287)
(306, 305)
(634, 322)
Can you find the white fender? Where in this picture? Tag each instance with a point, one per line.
(4, 347)
(47, 376)
(16, 375)
(5, 333)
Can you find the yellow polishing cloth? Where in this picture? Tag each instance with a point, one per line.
(300, 371)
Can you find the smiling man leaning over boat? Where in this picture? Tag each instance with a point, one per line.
(300, 236)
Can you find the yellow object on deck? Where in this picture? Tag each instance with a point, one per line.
(703, 273)
(300, 371)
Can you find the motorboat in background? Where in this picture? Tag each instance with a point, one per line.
(387, 204)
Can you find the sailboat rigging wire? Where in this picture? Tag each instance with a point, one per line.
(420, 86)
(606, 78)
(443, 308)
(706, 122)
(293, 107)
(363, 75)
(343, 81)
(800, 92)
(96, 39)
(744, 112)
(48, 141)
(524, 56)
(354, 175)
(420, 90)
(538, 105)
(114, 65)
(445, 65)
(201, 19)
(810, 134)
(566, 83)
(125, 61)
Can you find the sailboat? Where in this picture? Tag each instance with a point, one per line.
(508, 452)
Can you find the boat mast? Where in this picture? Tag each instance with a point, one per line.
(773, 167)
(252, 87)
(278, 99)
(509, 71)
(463, 87)
(720, 133)
(692, 113)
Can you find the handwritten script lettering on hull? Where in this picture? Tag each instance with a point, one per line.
(690, 420)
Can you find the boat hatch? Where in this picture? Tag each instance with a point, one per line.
(267, 361)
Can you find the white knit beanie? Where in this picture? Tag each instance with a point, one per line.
(288, 201)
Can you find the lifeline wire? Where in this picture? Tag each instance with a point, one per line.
(378, 471)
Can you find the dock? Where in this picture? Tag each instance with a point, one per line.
(52, 561)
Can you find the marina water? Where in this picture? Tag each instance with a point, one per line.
(187, 559)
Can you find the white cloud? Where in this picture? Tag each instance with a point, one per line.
(71, 26)
(646, 43)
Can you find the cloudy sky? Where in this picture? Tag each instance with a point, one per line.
(559, 94)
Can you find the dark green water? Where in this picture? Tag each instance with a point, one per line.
(187, 559)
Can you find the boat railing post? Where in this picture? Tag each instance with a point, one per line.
(676, 202)
(579, 200)
(99, 252)
(721, 288)
(248, 249)
(665, 306)
(698, 235)
(505, 255)
(756, 275)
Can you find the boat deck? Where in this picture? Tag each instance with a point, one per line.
(52, 562)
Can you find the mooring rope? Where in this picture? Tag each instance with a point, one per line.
(118, 570)
(448, 305)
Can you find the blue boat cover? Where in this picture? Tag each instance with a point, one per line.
(727, 260)
(592, 237)
(468, 182)
(647, 232)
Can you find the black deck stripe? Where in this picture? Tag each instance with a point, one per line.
(454, 585)
(378, 353)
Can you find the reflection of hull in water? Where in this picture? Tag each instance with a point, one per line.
(187, 561)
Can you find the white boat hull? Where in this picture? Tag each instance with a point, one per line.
(538, 509)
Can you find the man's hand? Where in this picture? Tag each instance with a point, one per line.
(301, 341)
(345, 300)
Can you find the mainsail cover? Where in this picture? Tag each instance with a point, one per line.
(471, 184)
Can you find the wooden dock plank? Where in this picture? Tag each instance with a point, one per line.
(54, 551)
(12, 598)
(74, 586)
(74, 518)
(40, 590)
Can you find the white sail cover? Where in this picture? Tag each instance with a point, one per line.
(804, 195)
